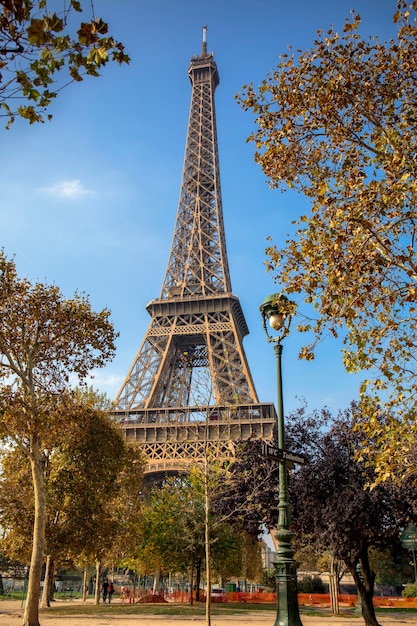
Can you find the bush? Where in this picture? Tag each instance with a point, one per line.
(410, 591)
(308, 584)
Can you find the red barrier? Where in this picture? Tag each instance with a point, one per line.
(304, 599)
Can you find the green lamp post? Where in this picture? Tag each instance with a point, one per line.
(277, 310)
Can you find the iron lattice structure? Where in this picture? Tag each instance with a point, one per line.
(190, 385)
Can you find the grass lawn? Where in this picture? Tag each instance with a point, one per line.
(198, 608)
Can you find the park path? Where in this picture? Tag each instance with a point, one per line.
(11, 614)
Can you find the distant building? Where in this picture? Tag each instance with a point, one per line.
(269, 556)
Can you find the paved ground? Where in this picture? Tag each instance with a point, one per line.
(11, 614)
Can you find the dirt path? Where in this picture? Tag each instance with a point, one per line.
(11, 614)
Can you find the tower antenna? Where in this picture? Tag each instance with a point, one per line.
(204, 48)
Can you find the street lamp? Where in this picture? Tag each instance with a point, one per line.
(277, 310)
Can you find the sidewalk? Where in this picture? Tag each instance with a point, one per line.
(11, 614)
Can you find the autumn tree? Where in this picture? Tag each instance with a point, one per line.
(393, 566)
(336, 123)
(43, 51)
(16, 505)
(170, 537)
(331, 501)
(207, 475)
(207, 478)
(17, 508)
(115, 519)
(92, 482)
(252, 558)
(44, 340)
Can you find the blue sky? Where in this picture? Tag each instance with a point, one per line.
(89, 200)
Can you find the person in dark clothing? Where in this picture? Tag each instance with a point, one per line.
(110, 591)
(105, 589)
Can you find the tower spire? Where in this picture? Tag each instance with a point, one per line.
(198, 264)
(191, 367)
(204, 47)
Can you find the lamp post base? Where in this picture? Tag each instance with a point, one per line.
(287, 601)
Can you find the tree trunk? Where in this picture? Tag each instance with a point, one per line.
(364, 581)
(207, 543)
(133, 594)
(98, 585)
(85, 588)
(31, 615)
(47, 592)
(191, 583)
(198, 580)
(334, 585)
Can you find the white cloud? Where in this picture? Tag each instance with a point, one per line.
(71, 189)
(106, 381)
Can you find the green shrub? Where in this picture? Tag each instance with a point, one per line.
(308, 584)
(410, 590)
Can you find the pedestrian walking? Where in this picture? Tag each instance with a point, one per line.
(105, 589)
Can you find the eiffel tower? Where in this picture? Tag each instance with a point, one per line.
(190, 386)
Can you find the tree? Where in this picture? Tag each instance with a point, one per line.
(16, 497)
(252, 558)
(173, 535)
(114, 521)
(249, 497)
(393, 567)
(44, 339)
(93, 488)
(92, 483)
(207, 478)
(336, 123)
(42, 52)
(331, 500)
